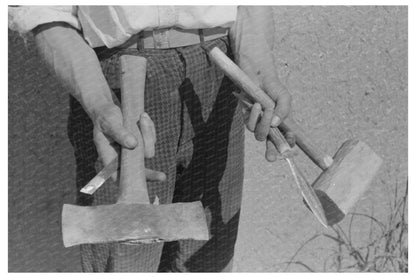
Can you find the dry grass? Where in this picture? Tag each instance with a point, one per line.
(385, 251)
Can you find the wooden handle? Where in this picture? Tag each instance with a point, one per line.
(133, 187)
(321, 159)
(240, 78)
(274, 135)
(244, 82)
(280, 142)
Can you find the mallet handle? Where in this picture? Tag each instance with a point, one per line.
(244, 82)
(133, 187)
(321, 159)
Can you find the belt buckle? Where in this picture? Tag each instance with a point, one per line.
(161, 38)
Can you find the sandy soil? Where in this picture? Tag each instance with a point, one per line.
(347, 70)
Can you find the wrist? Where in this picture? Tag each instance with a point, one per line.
(75, 64)
(94, 104)
(273, 86)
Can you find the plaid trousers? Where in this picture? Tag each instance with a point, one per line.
(200, 147)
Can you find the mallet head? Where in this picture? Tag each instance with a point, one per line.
(343, 184)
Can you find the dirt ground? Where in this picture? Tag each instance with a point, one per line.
(347, 70)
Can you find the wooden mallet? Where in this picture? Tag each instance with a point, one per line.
(345, 177)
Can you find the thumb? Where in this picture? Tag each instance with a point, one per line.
(282, 97)
(153, 175)
(110, 122)
(122, 136)
(283, 106)
(271, 152)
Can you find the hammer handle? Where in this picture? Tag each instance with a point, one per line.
(133, 187)
(244, 82)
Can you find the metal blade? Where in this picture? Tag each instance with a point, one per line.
(308, 194)
(144, 223)
(100, 178)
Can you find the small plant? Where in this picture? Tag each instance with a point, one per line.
(386, 250)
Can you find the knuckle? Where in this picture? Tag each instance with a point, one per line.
(107, 121)
(250, 128)
(270, 158)
(260, 136)
(256, 108)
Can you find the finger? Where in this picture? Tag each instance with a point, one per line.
(110, 122)
(246, 106)
(280, 94)
(153, 128)
(121, 135)
(148, 131)
(246, 115)
(290, 138)
(263, 127)
(254, 117)
(106, 149)
(275, 121)
(152, 175)
(243, 99)
(283, 106)
(274, 87)
(271, 152)
(114, 176)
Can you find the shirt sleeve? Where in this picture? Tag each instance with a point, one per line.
(24, 19)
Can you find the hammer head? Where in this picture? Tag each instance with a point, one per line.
(347, 179)
(124, 222)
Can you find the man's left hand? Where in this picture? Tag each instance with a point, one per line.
(260, 121)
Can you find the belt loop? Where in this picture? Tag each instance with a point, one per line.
(204, 47)
(201, 35)
(140, 42)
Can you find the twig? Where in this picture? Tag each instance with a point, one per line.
(299, 249)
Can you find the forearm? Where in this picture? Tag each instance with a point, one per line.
(252, 42)
(76, 64)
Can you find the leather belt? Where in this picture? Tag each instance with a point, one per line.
(173, 37)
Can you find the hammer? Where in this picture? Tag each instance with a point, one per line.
(133, 219)
(345, 177)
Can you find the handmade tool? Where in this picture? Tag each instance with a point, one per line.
(100, 178)
(344, 179)
(309, 195)
(133, 218)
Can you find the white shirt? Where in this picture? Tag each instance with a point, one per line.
(113, 25)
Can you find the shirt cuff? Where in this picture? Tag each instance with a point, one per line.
(24, 19)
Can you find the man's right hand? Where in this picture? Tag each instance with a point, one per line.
(110, 134)
(77, 66)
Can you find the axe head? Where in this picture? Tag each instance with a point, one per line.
(342, 185)
(137, 222)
